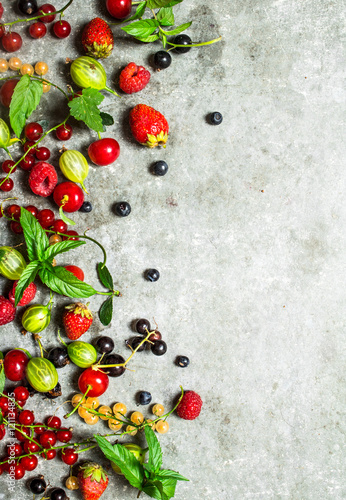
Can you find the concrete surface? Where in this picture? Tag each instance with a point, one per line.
(248, 232)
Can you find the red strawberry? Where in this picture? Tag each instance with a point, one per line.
(133, 78)
(92, 480)
(28, 295)
(7, 311)
(43, 179)
(97, 39)
(190, 406)
(77, 320)
(148, 126)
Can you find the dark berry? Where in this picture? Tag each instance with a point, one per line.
(27, 7)
(142, 326)
(54, 393)
(58, 494)
(162, 59)
(182, 40)
(144, 398)
(104, 345)
(182, 361)
(113, 359)
(152, 274)
(58, 356)
(159, 347)
(135, 341)
(215, 118)
(160, 168)
(86, 207)
(155, 336)
(37, 485)
(123, 209)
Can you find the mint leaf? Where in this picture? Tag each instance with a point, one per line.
(178, 30)
(155, 452)
(139, 12)
(151, 490)
(106, 311)
(105, 276)
(107, 119)
(62, 246)
(147, 39)
(168, 486)
(168, 473)
(124, 459)
(156, 4)
(85, 108)
(142, 28)
(27, 276)
(25, 99)
(62, 281)
(172, 3)
(166, 16)
(159, 486)
(35, 238)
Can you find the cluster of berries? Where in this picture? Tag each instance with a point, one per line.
(154, 342)
(16, 64)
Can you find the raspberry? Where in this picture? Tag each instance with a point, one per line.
(7, 311)
(190, 406)
(133, 78)
(28, 295)
(43, 179)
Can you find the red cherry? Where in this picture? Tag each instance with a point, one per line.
(69, 195)
(11, 42)
(6, 185)
(14, 450)
(6, 166)
(62, 29)
(64, 132)
(21, 393)
(42, 154)
(29, 463)
(64, 435)
(6, 92)
(27, 162)
(16, 227)
(20, 436)
(15, 363)
(97, 379)
(46, 218)
(104, 151)
(54, 422)
(59, 226)
(33, 131)
(47, 439)
(46, 9)
(13, 211)
(31, 447)
(69, 456)
(49, 454)
(77, 271)
(73, 235)
(32, 209)
(26, 417)
(40, 429)
(119, 8)
(19, 471)
(38, 30)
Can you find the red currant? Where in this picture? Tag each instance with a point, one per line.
(6, 92)
(19, 471)
(16, 227)
(69, 456)
(29, 463)
(73, 235)
(48, 438)
(14, 449)
(49, 454)
(4, 405)
(28, 145)
(6, 185)
(32, 209)
(64, 132)
(6, 166)
(23, 435)
(47, 8)
(77, 271)
(13, 211)
(15, 363)
(42, 154)
(104, 151)
(64, 435)
(59, 226)
(38, 30)
(62, 29)
(11, 42)
(96, 379)
(33, 131)
(21, 393)
(2, 30)
(31, 447)
(54, 422)
(26, 417)
(75, 94)
(27, 162)
(119, 8)
(40, 429)
(21, 403)
(46, 218)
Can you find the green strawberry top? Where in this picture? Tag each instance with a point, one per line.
(93, 471)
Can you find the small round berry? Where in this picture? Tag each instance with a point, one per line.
(46, 218)
(27, 162)
(114, 359)
(6, 185)
(91, 419)
(144, 398)
(49, 454)
(83, 411)
(31, 446)
(182, 39)
(27, 69)
(134, 343)
(158, 410)
(159, 347)
(64, 132)
(152, 275)
(76, 399)
(162, 59)
(37, 30)
(131, 430)
(58, 494)
(76, 271)
(21, 393)
(39, 428)
(13, 211)
(47, 8)
(104, 345)
(15, 63)
(62, 29)
(119, 410)
(32, 209)
(137, 417)
(53, 421)
(143, 326)
(123, 209)
(37, 485)
(16, 227)
(69, 456)
(27, 7)
(72, 483)
(86, 207)
(46, 86)
(182, 361)
(151, 423)
(105, 410)
(14, 449)
(47, 439)
(26, 417)
(64, 435)
(29, 463)
(71, 235)
(33, 131)
(114, 424)
(3, 66)
(215, 118)
(156, 335)
(42, 153)
(55, 238)
(41, 68)
(7, 166)
(19, 471)
(58, 356)
(59, 226)
(12, 41)
(162, 426)
(30, 145)
(93, 403)
(160, 168)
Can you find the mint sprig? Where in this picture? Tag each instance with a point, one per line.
(25, 99)
(85, 108)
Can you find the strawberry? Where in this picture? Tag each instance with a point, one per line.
(92, 480)
(148, 126)
(28, 295)
(133, 78)
(77, 320)
(97, 39)
(190, 406)
(7, 311)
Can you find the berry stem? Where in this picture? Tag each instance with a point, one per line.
(191, 44)
(112, 91)
(80, 402)
(130, 357)
(40, 16)
(40, 79)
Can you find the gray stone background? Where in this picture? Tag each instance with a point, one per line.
(247, 230)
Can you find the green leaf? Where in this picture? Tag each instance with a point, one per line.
(62, 281)
(139, 12)
(107, 119)
(142, 28)
(159, 486)
(2, 379)
(156, 4)
(25, 99)
(155, 452)
(168, 473)
(166, 16)
(105, 276)
(168, 486)
(106, 311)
(178, 30)
(124, 459)
(35, 237)
(64, 217)
(151, 490)
(147, 39)
(85, 108)
(172, 3)
(62, 246)
(27, 276)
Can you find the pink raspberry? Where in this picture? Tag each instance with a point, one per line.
(43, 179)
(133, 78)
(28, 295)
(7, 311)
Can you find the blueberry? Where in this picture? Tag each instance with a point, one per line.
(86, 207)
(182, 40)
(162, 59)
(160, 168)
(215, 118)
(123, 209)
(144, 398)
(182, 361)
(152, 274)
(159, 347)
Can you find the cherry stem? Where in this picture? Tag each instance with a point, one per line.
(80, 402)
(40, 16)
(130, 357)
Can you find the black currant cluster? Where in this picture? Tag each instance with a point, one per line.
(38, 486)
(157, 345)
(162, 59)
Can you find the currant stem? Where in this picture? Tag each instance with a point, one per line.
(130, 357)
(40, 16)
(50, 83)
(192, 44)
(80, 402)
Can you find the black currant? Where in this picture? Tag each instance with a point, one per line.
(37, 485)
(182, 361)
(182, 40)
(86, 207)
(162, 59)
(113, 359)
(142, 326)
(58, 356)
(144, 398)
(152, 274)
(104, 345)
(54, 393)
(58, 494)
(135, 341)
(156, 335)
(215, 118)
(159, 347)
(27, 7)
(160, 168)
(123, 209)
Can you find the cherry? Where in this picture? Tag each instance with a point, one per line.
(42, 154)
(27, 162)
(19, 471)
(96, 379)
(68, 195)
(104, 151)
(31, 446)
(46, 217)
(77, 271)
(37, 30)
(6, 166)
(64, 435)
(26, 417)
(29, 463)
(33, 131)
(69, 456)
(73, 235)
(14, 449)
(13, 211)
(49, 454)
(6, 92)
(59, 226)
(11, 42)
(54, 422)
(20, 436)
(62, 29)
(119, 8)
(15, 363)
(64, 132)
(47, 8)
(47, 438)
(6, 185)
(32, 209)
